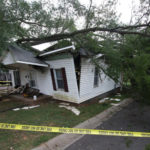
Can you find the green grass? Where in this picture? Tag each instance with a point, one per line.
(4, 105)
(122, 97)
(147, 147)
(48, 114)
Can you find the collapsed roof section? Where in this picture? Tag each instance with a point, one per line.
(72, 49)
(67, 46)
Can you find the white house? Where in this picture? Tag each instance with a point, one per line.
(62, 73)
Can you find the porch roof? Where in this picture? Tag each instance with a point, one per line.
(22, 56)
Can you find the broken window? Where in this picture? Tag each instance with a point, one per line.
(96, 77)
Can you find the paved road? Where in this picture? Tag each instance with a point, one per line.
(134, 117)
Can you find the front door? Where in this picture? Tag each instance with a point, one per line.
(17, 78)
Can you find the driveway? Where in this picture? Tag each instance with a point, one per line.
(134, 117)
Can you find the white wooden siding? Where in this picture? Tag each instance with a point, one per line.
(87, 89)
(43, 81)
(68, 64)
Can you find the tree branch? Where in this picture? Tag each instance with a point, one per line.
(88, 14)
(132, 26)
(32, 23)
(24, 21)
(57, 37)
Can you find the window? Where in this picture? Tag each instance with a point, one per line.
(96, 77)
(32, 79)
(59, 79)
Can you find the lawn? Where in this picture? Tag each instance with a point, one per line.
(5, 105)
(48, 114)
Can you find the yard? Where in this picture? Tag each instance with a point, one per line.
(48, 114)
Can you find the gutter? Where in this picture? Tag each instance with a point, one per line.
(58, 50)
(30, 63)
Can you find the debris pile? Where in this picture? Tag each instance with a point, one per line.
(26, 91)
(107, 99)
(71, 108)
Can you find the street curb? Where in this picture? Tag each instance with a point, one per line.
(63, 141)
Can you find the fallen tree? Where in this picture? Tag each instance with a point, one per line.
(122, 30)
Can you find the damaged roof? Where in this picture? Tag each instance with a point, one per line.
(67, 46)
(24, 56)
(84, 52)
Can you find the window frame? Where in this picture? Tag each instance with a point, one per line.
(56, 79)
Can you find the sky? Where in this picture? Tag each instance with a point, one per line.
(124, 9)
